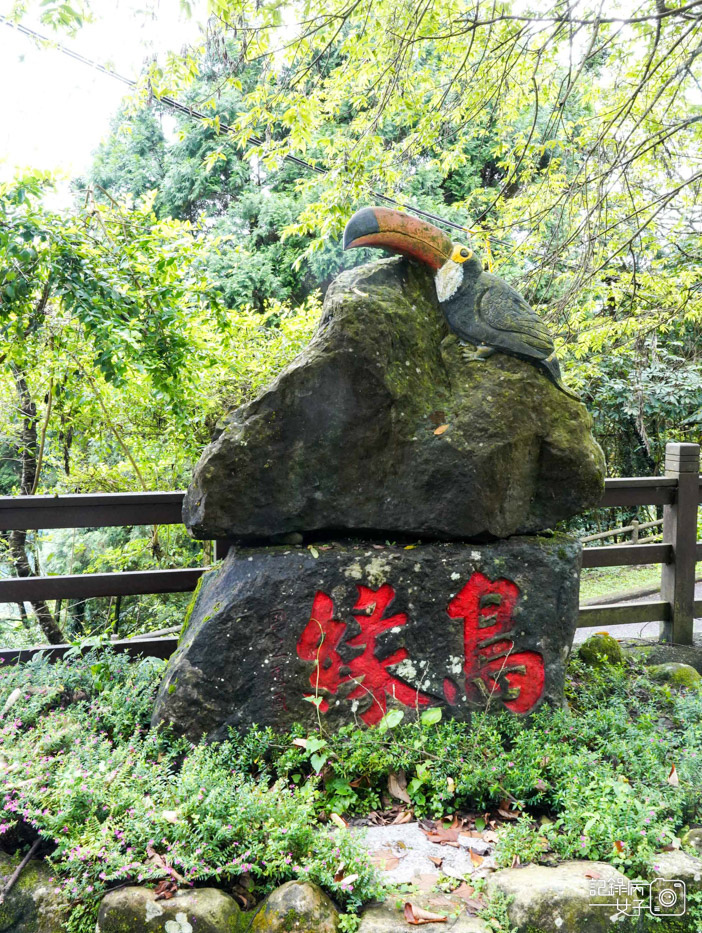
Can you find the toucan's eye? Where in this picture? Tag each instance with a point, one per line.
(461, 253)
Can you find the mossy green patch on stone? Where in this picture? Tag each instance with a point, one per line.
(676, 674)
(601, 649)
(296, 907)
(32, 905)
(203, 910)
(191, 606)
(692, 841)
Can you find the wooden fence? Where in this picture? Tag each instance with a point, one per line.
(678, 492)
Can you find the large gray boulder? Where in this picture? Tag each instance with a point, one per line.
(357, 630)
(380, 425)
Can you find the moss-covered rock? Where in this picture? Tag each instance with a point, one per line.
(203, 910)
(692, 841)
(676, 674)
(680, 866)
(381, 425)
(562, 899)
(32, 906)
(601, 649)
(296, 907)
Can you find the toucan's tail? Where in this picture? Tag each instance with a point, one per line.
(553, 371)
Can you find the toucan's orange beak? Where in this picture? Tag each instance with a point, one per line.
(398, 233)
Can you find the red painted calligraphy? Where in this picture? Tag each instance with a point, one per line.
(319, 642)
(492, 667)
(323, 635)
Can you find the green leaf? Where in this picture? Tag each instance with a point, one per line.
(431, 716)
(390, 720)
(318, 761)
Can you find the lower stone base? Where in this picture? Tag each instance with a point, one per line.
(277, 636)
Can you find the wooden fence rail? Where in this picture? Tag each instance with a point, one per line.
(678, 492)
(635, 528)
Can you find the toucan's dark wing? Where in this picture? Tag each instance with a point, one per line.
(518, 326)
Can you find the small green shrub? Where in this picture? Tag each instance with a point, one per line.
(520, 843)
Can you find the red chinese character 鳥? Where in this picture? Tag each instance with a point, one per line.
(492, 666)
(320, 642)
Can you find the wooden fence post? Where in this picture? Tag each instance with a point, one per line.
(682, 461)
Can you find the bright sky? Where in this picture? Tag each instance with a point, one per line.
(54, 110)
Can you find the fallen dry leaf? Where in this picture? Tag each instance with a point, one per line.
(165, 890)
(246, 899)
(508, 814)
(445, 835)
(441, 429)
(418, 916)
(397, 787)
(338, 821)
(476, 859)
(593, 874)
(473, 904)
(464, 890)
(437, 860)
(160, 862)
(673, 778)
(385, 859)
(404, 816)
(490, 836)
(619, 846)
(11, 700)
(426, 881)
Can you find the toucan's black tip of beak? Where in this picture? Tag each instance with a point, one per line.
(363, 223)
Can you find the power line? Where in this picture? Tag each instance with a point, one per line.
(223, 127)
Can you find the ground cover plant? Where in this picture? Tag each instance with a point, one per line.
(114, 801)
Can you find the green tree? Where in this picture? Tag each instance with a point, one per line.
(88, 300)
(119, 359)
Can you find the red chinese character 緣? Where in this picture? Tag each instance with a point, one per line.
(323, 635)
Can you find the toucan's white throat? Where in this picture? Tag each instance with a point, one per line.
(448, 280)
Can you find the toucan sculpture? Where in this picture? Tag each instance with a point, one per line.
(480, 308)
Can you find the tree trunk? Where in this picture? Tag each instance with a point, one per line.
(18, 539)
